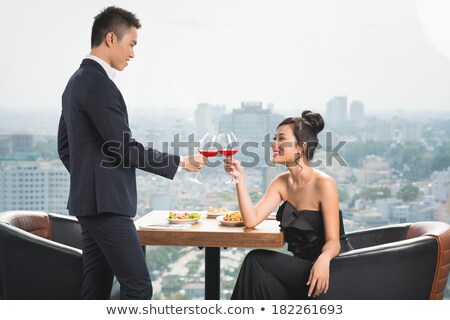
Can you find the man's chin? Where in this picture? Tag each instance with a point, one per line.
(120, 67)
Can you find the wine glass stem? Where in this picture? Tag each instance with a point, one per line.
(231, 160)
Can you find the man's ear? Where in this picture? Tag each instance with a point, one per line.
(110, 39)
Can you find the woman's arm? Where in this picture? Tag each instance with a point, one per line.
(253, 215)
(320, 272)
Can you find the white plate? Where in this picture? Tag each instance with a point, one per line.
(230, 223)
(215, 215)
(183, 221)
(167, 226)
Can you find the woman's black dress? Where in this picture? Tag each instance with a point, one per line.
(267, 274)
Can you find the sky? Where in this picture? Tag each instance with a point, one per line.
(292, 53)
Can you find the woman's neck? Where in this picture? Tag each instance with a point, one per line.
(301, 174)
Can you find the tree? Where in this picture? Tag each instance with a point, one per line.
(47, 149)
(408, 193)
(373, 194)
(440, 162)
(352, 179)
(161, 257)
(419, 167)
(171, 285)
(343, 195)
(354, 152)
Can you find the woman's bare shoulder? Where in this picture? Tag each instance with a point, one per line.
(280, 182)
(324, 180)
(281, 178)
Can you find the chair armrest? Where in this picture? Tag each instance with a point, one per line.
(380, 235)
(66, 230)
(36, 268)
(400, 270)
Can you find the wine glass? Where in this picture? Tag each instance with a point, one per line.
(207, 148)
(229, 146)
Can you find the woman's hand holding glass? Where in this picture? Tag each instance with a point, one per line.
(234, 168)
(229, 145)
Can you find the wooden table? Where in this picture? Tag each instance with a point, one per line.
(208, 233)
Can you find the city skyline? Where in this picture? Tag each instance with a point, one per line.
(293, 53)
(44, 121)
(379, 164)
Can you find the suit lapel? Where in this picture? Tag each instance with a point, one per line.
(95, 64)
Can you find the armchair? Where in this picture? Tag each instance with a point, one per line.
(40, 256)
(404, 261)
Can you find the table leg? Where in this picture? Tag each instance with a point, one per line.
(212, 273)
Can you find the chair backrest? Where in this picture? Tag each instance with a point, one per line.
(441, 232)
(35, 222)
(378, 236)
(32, 264)
(393, 235)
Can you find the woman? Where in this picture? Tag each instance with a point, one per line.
(309, 216)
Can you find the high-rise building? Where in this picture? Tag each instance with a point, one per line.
(440, 185)
(5, 146)
(270, 106)
(336, 111)
(34, 185)
(21, 143)
(207, 118)
(251, 123)
(385, 130)
(412, 131)
(357, 112)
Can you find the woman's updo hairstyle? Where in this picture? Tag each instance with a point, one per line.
(306, 128)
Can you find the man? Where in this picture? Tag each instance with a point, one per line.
(95, 145)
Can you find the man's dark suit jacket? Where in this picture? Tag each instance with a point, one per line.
(95, 145)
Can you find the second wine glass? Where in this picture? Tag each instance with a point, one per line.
(229, 146)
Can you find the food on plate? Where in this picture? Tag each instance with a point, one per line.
(232, 219)
(183, 216)
(233, 216)
(217, 211)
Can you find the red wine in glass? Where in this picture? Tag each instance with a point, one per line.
(228, 153)
(208, 153)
